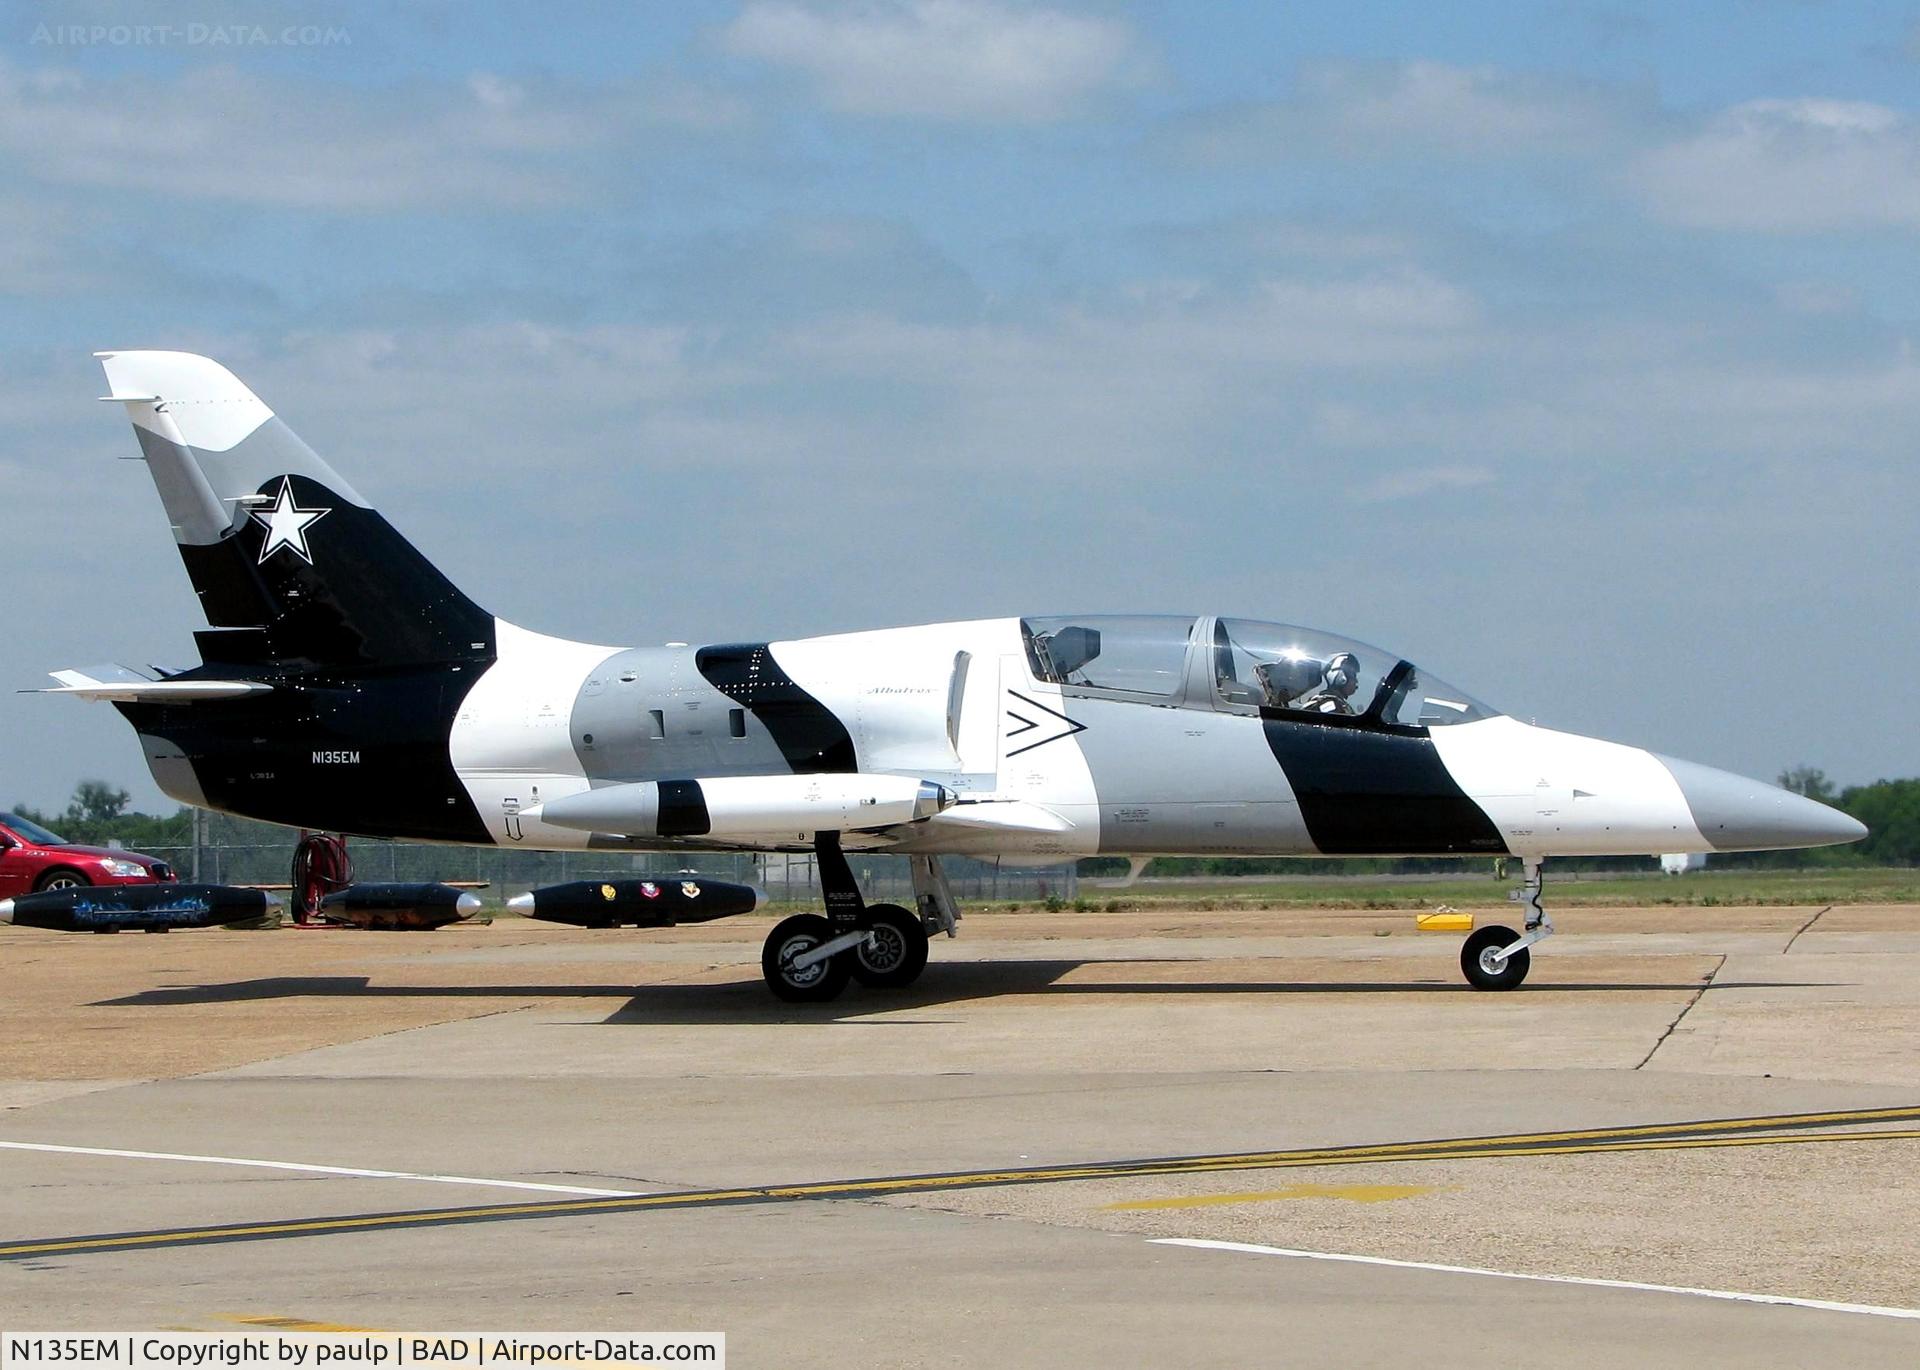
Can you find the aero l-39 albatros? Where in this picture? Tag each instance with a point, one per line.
(348, 685)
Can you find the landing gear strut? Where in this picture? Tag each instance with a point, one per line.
(1497, 957)
(809, 959)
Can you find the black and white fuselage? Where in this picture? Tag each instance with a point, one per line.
(347, 685)
(1178, 757)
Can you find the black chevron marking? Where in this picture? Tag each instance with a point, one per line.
(1073, 725)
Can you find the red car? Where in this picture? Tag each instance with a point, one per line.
(31, 858)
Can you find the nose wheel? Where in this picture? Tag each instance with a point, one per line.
(1487, 963)
(1497, 957)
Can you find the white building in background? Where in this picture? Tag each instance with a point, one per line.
(1680, 862)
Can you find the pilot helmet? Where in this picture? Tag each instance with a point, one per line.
(1343, 674)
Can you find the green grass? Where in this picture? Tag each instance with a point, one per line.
(1698, 889)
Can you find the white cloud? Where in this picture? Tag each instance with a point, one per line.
(437, 393)
(1152, 379)
(223, 134)
(963, 60)
(1304, 323)
(1419, 482)
(39, 255)
(1655, 396)
(796, 265)
(1803, 165)
(1414, 108)
(1788, 166)
(1817, 297)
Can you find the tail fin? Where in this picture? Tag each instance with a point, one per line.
(275, 541)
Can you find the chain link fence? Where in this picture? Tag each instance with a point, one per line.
(883, 879)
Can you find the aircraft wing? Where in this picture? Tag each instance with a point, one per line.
(998, 815)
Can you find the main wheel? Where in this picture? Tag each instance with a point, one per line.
(1482, 970)
(897, 951)
(812, 984)
(61, 880)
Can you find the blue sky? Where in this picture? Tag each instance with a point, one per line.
(1568, 349)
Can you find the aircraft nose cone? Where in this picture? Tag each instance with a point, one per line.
(1738, 814)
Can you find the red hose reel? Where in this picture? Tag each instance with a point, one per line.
(320, 866)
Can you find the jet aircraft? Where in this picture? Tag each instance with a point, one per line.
(346, 684)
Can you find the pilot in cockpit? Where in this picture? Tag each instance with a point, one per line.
(1310, 685)
(1337, 687)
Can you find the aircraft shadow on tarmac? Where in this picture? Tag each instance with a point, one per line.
(746, 1000)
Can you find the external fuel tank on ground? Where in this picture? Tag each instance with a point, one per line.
(136, 908)
(637, 903)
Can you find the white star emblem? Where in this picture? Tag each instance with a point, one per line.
(286, 524)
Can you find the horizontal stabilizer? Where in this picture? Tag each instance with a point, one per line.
(126, 685)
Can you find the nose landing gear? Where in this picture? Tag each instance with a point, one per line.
(1497, 957)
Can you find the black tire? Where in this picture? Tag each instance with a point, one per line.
(899, 950)
(817, 983)
(1481, 973)
(60, 880)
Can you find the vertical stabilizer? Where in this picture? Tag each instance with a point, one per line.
(276, 540)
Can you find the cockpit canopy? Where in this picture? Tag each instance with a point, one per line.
(1239, 665)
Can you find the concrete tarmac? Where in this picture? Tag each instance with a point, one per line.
(524, 1066)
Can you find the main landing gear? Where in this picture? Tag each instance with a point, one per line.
(809, 959)
(1497, 957)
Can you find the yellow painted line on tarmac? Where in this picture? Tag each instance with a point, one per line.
(1661, 1137)
(286, 1324)
(428, 1217)
(1567, 1149)
(1354, 1193)
(1771, 1122)
(1676, 1144)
